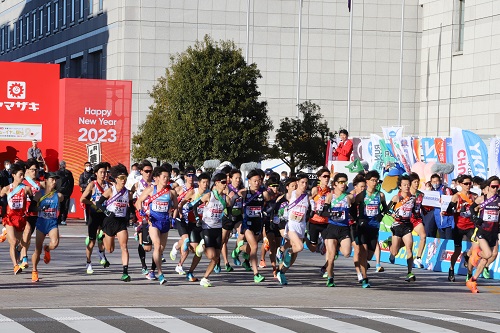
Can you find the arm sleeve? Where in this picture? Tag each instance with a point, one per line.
(451, 208)
(100, 203)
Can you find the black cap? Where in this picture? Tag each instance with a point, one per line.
(52, 175)
(269, 171)
(218, 177)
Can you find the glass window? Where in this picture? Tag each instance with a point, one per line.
(64, 8)
(62, 70)
(27, 20)
(2, 31)
(41, 23)
(82, 2)
(461, 24)
(72, 10)
(101, 5)
(91, 7)
(56, 15)
(75, 67)
(8, 37)
(20, 23)
(14, 35)
(94, 65)
(34, 24)
(48, 18)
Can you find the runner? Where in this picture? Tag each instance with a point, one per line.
(359, 184)
(401, 208)
(47, 202)
(298, 213)
(192, 211)
(254, 198)
(31, 181)
(337, 234)
(367, 209)
(114, 203)
(281, 216)
(232, 220)
(142, 231)
(14, 220)
(182, 191)
(417, 219)
(270, 232)
(159, 200)
(464, 227)
(485, 211)
(215, 203)
(90, 197)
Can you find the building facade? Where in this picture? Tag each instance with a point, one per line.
(134, 40)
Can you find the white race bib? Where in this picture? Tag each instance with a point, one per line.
(253, 211)
(490, 215)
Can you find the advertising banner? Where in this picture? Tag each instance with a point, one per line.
(460, 158)
(494, 157)
(29, 97)
(477, 153)
(429, 150)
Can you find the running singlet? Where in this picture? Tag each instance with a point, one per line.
(490, 215)
(253, 208)
(96, 194)
(159, 208)
(31, 210)
(212, 213)
(141, 186)
(282, 210)
(297, 212)
(16, 204)
(237, 209)
(404, 209)
(49, 206)
(319, 202)
(462, 217)
(339, 212)
(119, 206)
(371, 207)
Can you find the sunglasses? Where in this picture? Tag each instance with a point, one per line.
(107, 171)
(147, 171)
(494, 186)
(325, 176)
(223, 182)
(190, 175)
(273, 185)
(342, 182)
(121, 177)
(467, 184)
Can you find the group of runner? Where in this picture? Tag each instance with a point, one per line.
(206, 210)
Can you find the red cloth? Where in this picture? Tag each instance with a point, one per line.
(344, 151)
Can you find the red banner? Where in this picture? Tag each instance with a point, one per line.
(29, 96)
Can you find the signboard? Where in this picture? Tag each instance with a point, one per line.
(94, 153)
(20, 132)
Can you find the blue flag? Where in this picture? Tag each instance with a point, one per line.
(477, 153)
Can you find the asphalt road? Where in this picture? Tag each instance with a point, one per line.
(68, 300)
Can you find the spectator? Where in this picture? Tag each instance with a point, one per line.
(34, 151)
(133, 177)
(344, 149)
(85, 179)
(65, 185)
(5, 175)
(176, 177)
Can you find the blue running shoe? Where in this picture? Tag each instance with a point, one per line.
(162, 279)
(282, 278)
(151, 276)
(217, 268)
(185, 245)
(287, 258)
(392, 259)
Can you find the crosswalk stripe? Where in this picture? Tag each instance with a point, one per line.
(248, 323)
(479, 325)
(160, 320)
(395, 321)
(316, 320)
(9, 325)
(78, 321)
(495, 315)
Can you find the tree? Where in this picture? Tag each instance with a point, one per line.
(301, 142)
(206, 107)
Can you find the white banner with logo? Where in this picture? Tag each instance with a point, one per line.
(20, 132)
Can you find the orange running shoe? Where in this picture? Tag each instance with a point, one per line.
(17, 269)
(46, 256)
(3, 235)
(472, 285)
(34, 276)
(262, 264)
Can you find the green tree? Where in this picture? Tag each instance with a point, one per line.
(301, 142)
(206, 107)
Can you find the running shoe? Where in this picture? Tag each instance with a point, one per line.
(89, 269)
(46, 256)
(245, 256)
(229, 268)
(330, 283)
(151, 276)
(379, 269)
(472, 285)
(262, 264)
(205, 283)
(282, 278)
(179, 270)
(279, 255)
(486, 273)
(3, 235)
(162, 279)
(322, 270)
(34, 276)
(87, 241)
(190, 277)
(24, 264)
(392, 259)
(163, 260)
(246, 265)
(200, 248)
(418, 263)
(63, 222)
(365, 283)
(265, 241)
(368, 266)
(17, 269)
(325, 275)
(287, 258)
(451, 275)
(217, 268)
(465, 259)
(104, 262)
(173, 252)
(136, 236)
(258, 278)
(236, 253)
(410, 277)
(144, 271)
(125, 277)
(185, 245)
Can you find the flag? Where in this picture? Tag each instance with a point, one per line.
(349, 5)
(494, 157)
(477, 154)
(355, 166)
(393, 132)
(460, 156)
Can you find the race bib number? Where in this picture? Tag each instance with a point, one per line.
(216, 213)
(405, 212)
(371, 210)
(49, 214)
(490, 215)
(254, 211)
(16, 203)
(160, 206)
(120, 209)
(338, 215)
(296, 216)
